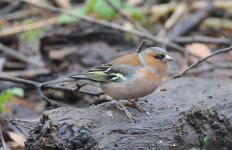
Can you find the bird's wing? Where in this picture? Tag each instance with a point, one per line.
(106, 73)
(114, 71)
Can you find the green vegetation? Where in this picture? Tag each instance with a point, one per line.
(8, 94)
(66, 19)
(101, 9)
(32, 36)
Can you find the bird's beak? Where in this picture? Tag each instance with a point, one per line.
(167, 58)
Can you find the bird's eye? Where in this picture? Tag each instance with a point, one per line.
(160, 56)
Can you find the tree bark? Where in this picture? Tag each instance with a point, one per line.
(185, 113)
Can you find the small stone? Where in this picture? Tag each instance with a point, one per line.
(163, 89)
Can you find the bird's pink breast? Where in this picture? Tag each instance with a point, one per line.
(139, 86)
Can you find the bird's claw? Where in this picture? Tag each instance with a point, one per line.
(123, 108)
(138, 107)
(120, 104)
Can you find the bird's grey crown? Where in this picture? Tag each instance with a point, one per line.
(158, 49)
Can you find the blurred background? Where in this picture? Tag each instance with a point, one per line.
(42, 43)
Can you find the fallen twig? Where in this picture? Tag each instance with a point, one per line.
(222, 65)
(46, 86)
(220, 4)
(128, 18)
(202, 39)
(21, 14)
(164, 9)
(49, 101)
(202, 60)
(16, 124)
(140, 46)
(2, 139)
(2, 63)
(174, 18)
(187, 24)
(9, 8)
(217, 23)
(26, 27)
(19, 56)
(140, 34)
(30, 73)
(26, 120)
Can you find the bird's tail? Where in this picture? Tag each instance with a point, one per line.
(80, 76)
(56, 81)
(70, 78)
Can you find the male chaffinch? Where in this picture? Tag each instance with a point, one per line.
(131, 76)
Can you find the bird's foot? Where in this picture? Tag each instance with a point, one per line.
(120, 104)
(109, 104)
(133, 104)
(122, 107)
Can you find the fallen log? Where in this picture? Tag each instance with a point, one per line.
(185, 113)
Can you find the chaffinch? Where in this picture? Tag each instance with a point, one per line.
(131, 76)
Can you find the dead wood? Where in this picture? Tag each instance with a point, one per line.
(185, 113)
(191, 22)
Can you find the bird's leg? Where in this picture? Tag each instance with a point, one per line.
(119, 104)
(122, 107)
(133, 104)
(109, 103)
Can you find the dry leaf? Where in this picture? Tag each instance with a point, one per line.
(198, 49)
(229, 56)
(9, 108)
(135, 2)
(64, 4)
(18, 140)
(2, 63)
(161, 10)
(128, 25)
(61, 54)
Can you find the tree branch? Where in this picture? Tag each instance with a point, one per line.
(139, 49)
(16, 124)
(47, 86)
(2, 139)
(19, 56)
(128, 18)
(202, 39)
(202, 60)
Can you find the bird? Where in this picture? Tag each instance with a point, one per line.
(131, 76)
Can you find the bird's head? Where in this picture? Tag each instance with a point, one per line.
(158, 54)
